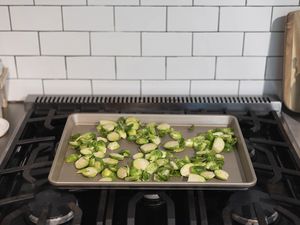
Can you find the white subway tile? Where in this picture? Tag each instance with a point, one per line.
(88, 18)
(251, 87)
(19, 43)
(219, 2)
(166, 2)
(278, 17)
(91, 67)
(190, 68)
(116, 87)
(41, 67)
(218, 44)
(261, 87)
(17, 90)
(60, 2)
(166, 44)
(4, 18)
(263, 44)
(214, 87)
(245, 18)
(66, 87)
(193, 18)
(9, 62)
(16, 2)
(36, 18)
(140, 68)
(241, 67)
(272, 2)
(140, 18)
(166, 87)
(116, 43)
(64, 43)
(274, 68)
(113, 2)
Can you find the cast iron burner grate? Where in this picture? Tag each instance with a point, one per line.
(24, 171)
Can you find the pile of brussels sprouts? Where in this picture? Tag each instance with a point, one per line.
(99, 152)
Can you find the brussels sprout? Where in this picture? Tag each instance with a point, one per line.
(110, 161)
(86, 151)
(207, 175)
(197, 169)
(88, 172)
(72, 158)
(146, 176)
(176, 135)
(104, 122)
(102, 139)
(113, 136)
(122, 133)
(141, 141)
(126, 153)
(132, 178)
(163, 174)
(99, 155)
(107, 173)
(134, 172)
(116, 156)
(131, 132)
(123, 172)
(195, 178)
(88, 136)
(162, 162)
(163, 129)
(185, 170)
(189, 143)
(174, 165)
(140, 164)
(108, 127)
(81, 163)
(138, 155)
(92, 162)
(146, 148)
(113, 145)
(218, 145)
(113, 168)
(99, 146)
(155, 140)
(171, 145)
(151, 168)
(221, 174)
(105, 179)
(99, 165)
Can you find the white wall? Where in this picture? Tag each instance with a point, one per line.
(143, 47)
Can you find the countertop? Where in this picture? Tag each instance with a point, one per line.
(15, 113)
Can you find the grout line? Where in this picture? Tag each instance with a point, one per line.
(39, 40)
(141, 44)
(219, 19)
(272, 9)
(114, 17)
(239, 86)
(266, 65)
(91, 84)
(16, 65)
(167, 9)
(9, 16)
(62, 19)
(215, 75)
(166, 68)
(243, 46)
(190, 88)
(43, 86)
(66, 67)
(90, 43)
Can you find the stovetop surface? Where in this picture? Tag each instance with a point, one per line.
(23, 177)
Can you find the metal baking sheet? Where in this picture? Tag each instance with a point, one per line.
(237, 162)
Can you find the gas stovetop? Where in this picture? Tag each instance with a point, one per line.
(26, 197)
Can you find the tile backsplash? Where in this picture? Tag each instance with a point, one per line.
(143, 47)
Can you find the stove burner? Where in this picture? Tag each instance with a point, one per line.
(52, 206)
(152, 196)
(248, 207)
